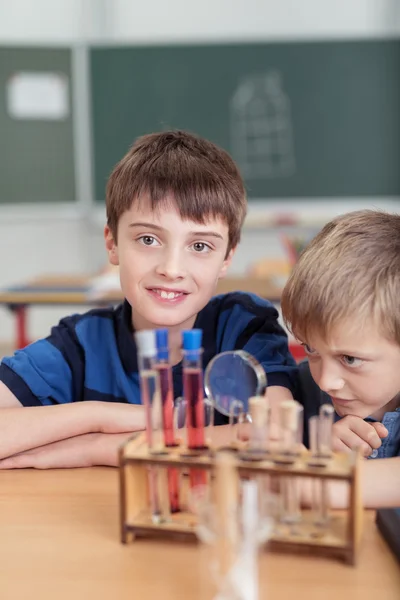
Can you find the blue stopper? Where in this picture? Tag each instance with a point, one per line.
(192, 340)
(162, 344)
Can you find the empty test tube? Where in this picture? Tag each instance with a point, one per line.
(326, 417)
(291, 423)
(151, 399)
(226, 504)
(320, 433)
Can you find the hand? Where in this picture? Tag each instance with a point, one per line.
(353, 432)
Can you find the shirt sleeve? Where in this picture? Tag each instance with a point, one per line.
(251, 324)
(49, 371)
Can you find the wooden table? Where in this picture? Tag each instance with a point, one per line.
(60, 540)
(50, 290)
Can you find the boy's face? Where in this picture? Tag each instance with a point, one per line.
(169, 268)
(358, 368)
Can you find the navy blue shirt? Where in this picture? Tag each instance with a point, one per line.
(93, 356)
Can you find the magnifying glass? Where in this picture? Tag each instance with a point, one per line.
(231, 378)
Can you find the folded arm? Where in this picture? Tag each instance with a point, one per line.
(25, 428)
(87, 450)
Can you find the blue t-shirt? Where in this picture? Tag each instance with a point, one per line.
(391, 443)
(93, 356)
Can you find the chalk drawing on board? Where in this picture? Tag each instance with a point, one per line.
(261, 127)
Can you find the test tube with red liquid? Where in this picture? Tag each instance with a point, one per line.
(193, 391)
(164, 369)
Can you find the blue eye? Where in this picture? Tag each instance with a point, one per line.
(308, 349)
(351, 361)
(147, 240)
(201, 247)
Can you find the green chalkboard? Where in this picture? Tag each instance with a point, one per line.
(36, 155)
(315, 119)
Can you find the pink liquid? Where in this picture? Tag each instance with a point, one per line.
(168, 429)
(193, 392)
(167, 404)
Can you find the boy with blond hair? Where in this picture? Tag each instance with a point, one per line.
(175, 208)
(342, 302)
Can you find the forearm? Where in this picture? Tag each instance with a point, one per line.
(87, 450)
(380, 485)
(379, 482)
(23, 428)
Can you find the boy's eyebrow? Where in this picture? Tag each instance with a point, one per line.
(207, 234)
(149, 225)
(355, 353)
(154, 226)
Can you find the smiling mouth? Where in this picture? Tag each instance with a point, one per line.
(341, 400)
(167, 294)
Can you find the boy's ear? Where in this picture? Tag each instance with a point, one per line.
(111, 246)
(227, 262)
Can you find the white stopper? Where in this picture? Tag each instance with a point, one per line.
(146, 343)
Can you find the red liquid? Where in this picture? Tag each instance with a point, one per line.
(193, 392)
(167, 403)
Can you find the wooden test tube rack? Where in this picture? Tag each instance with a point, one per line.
(339, 539)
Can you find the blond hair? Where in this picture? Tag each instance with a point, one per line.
(202, 179)
(350, 272)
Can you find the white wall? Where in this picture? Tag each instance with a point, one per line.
(69, 240)
(250, 19)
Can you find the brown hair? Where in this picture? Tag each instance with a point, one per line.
(350, 271)
(202, 179)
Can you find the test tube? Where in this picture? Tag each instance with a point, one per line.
(326, 417)
(291, 425)
(151, 399)
(258, 408)
(164, 369)
(291, 421)
(320, 434)
(226, 505)
(313, 434)
(150, 388)
(314, 430)
(193, 391)
(166, 386)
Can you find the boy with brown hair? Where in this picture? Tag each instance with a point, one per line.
(175, 208)
(342, 302)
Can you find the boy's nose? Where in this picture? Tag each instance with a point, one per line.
(171, 267)
(329, 380)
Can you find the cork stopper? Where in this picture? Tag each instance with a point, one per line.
(258, 408)
(289, 414)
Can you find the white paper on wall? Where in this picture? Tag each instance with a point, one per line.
(38, 95)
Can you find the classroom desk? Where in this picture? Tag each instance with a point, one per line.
(53, 290)
(60, 539)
